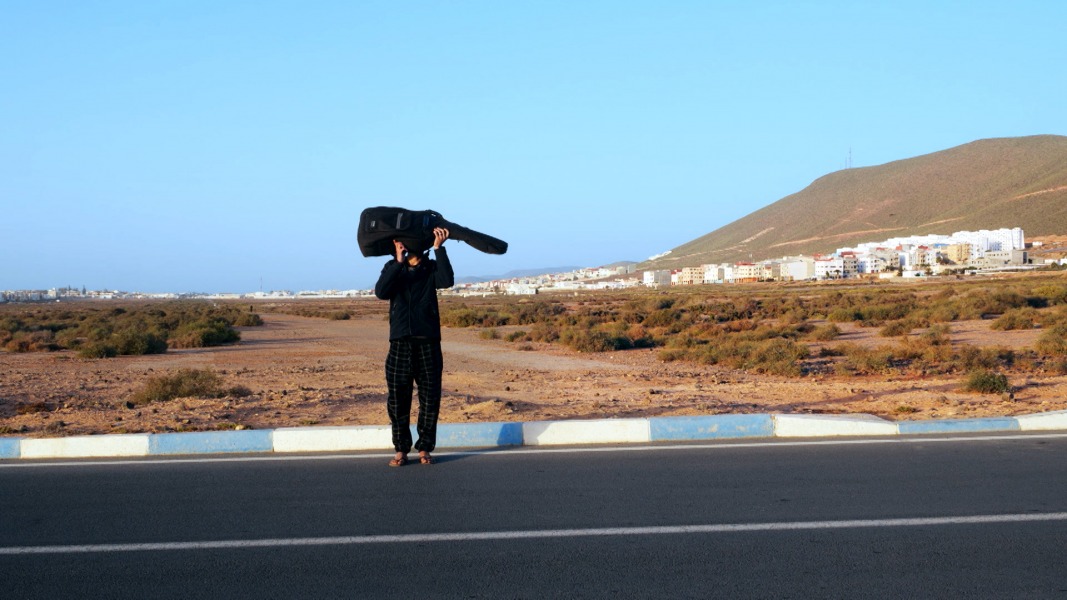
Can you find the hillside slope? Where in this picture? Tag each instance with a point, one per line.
(988, 184)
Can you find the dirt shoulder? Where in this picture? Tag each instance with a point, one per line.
(309, 371)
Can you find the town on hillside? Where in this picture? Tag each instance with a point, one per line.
(914, 256)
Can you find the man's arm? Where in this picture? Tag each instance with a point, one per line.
(443, 277)
(387, 285)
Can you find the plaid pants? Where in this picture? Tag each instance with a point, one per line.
(414, 362)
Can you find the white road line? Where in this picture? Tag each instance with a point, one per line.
(422, 538)
(511, 451)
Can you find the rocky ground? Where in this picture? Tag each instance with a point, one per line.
(301, 371)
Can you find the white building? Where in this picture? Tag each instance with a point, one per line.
(797, 268)
(714, 273)
(656, 278)
(829, 267)
(877, 260)
(521, 289)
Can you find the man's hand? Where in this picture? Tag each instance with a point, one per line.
(400, 250)
(439, 236)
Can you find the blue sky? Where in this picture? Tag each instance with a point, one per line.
(209, 146)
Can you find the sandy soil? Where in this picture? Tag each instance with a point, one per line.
(307, 371)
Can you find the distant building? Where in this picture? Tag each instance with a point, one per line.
(770, 271)
(521, 289)
(746, 272)
(796, 268)
(657, 278)
(829, 267)
(691, 276)
(714, 273)
(959, 253)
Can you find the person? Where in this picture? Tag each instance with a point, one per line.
(410, 283)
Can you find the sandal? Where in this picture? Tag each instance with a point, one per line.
(425, 458)
(399, 460)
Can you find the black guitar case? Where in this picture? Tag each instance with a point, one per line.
(380, 225)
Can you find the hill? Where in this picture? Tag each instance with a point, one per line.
(987, 184)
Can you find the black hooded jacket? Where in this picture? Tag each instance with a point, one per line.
(412, 295)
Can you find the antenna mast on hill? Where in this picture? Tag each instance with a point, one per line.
(849, 164)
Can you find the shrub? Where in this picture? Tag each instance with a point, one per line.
(34, 341)
(1053, 294)
(585, 340)
(184, 383)
(895, 328)
(489, 334)
(251, 319)
(971, 358)
(544, 332)
(131, 342)
(987, 382)
(1059, 366)
(941, 314)
(778, 356)
(528, 314)
(672, 354)
(98, 349)
(867, 361)
(937, 335)
(139, 329)
(842, 315)
(459, 316)
(1053, 341)
(239, 391)
(212, 331)
(515, 336)
(664, 317)
(32, 408)
(1016, 318)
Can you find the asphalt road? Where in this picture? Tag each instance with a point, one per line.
(930, 518)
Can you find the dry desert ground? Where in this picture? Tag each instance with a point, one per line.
(301, 371)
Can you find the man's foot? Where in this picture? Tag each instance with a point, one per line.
(425, 458)
(399, 460)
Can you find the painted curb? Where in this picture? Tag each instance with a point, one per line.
(89, 446)
(831, 425)
(10, 447)
(665, 429)
(476, 435)
(1043, 421)
(211, 442)
(539, 433)
(332, 439)
(959, 425)
(606, 431)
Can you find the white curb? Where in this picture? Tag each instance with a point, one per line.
(332, 439)
(831, 425)
(91, 446)
(1043, 421)
(606, 431)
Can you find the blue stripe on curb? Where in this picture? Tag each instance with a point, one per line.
(211, 442)
(711, 427)
(10, 447)
(959, 425)
(475, 435)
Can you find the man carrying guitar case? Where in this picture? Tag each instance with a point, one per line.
(380, 225)
(410, 280)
